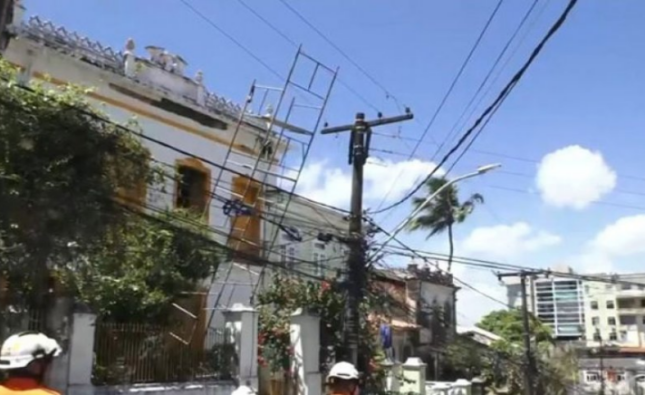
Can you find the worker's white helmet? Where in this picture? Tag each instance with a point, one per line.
(343, 371)
(21, 349)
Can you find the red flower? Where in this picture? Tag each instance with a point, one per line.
(261, 361)
(324, 287)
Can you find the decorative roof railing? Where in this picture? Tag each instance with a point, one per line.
(105, 57)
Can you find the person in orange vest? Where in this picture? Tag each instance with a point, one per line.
(26, 357)
(343, 379)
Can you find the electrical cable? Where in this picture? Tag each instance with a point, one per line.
(519, 27)
(445, 97)
(500, 98)
(361, 69)
(294, 44)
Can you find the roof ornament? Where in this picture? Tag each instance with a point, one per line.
(130, 60)
(199, 77)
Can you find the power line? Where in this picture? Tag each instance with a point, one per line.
(362, 70)
(446, 96)
(500, 98)
(232, 39)
(294, 44)
(489, 74)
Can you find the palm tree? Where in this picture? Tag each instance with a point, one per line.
(445, 210)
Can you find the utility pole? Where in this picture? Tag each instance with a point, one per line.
(359, 145)
(530, 366)
(6, 12)
(601, 357)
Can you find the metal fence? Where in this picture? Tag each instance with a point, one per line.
(136, 353)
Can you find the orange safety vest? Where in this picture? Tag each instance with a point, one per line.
(25, 386)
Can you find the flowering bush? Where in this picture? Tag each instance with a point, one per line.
(326, 299)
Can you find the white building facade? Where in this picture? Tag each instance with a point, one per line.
(189, 130)
(309, 240)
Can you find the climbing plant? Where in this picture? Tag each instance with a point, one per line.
(63, 168)
(326, 299)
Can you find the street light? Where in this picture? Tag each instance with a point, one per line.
(480, 170)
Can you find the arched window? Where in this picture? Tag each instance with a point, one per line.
(192, 186)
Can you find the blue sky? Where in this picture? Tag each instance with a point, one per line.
(585, 89)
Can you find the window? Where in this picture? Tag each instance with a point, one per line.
(613, 336)
(595, 321)
(643, 319)
(594, 305)
(133, 189)
(627, 320)
(611, 321)
(592, 376)
(610, 304)
(246, 229)
(596, 336)
(320, 260)
(192, 186)
(625, 287)
(642, 302)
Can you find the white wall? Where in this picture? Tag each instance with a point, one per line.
(309, 219)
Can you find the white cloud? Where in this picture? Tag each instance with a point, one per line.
(624, 237)
(507, 241)
(332, 185)
(472, 305)
(574, 177)
(616, 247)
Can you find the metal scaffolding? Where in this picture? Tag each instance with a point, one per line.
(285, 122)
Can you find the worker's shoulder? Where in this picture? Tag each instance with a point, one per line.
(34, 391)
(46, 391)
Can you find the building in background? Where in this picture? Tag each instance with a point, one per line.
(423, 306)
(309, 239)
(616, 312)
(557, 302)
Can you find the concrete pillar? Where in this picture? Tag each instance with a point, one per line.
(414, 376)
(461, 387)
(242, 324)
(60, 322)
(81, 349)
(305, 340)
(393, 371)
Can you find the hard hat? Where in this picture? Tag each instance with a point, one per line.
(21, 349)
(343, 371)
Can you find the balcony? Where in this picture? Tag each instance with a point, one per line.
(630, 294)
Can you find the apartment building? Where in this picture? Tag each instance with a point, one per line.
(557, 302)
(616, 312)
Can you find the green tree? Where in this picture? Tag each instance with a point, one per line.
(59, 166)
(444, 211)
(508, 324)
(556, 367)
(144, 266)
